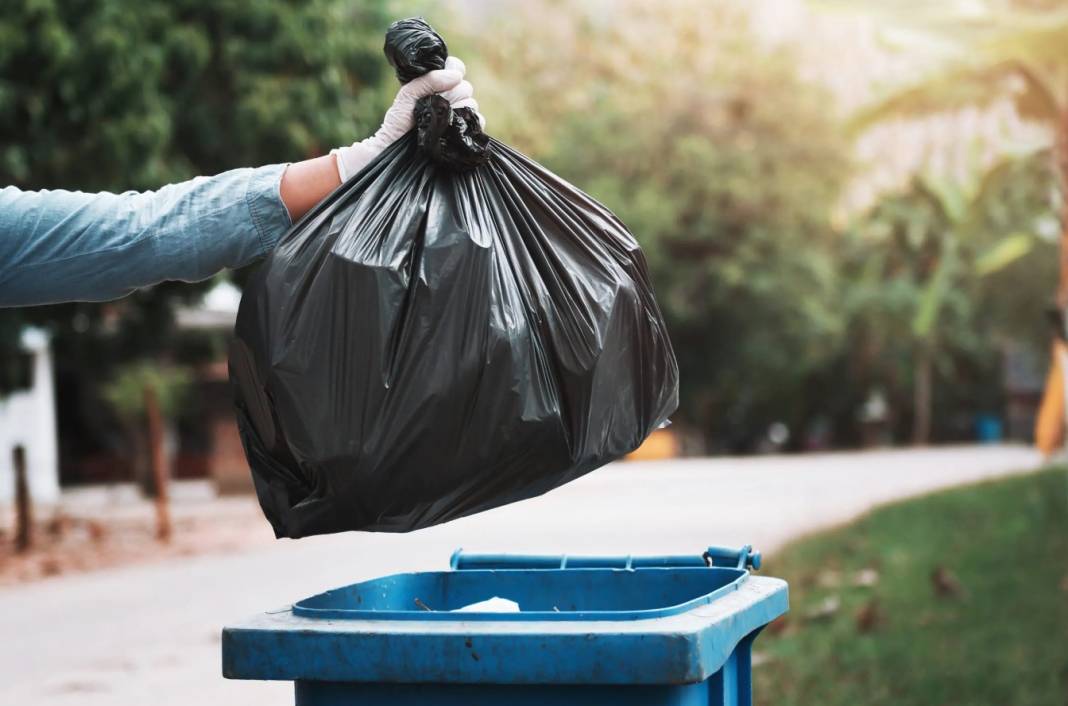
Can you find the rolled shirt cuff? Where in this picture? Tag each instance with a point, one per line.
(269, 214)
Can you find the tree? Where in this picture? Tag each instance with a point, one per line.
(131, 94)
(118, 94)
(1002, 50)
(121, 94)
(126, 393)
(924, 287)
(675, 120)
(1011, 50)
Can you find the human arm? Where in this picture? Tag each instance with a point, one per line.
(58, 246)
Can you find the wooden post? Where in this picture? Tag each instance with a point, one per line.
(23, 506)
(158, 459)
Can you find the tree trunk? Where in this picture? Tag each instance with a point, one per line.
(160, 472)
(921, 396)
(23, 504)
(141, 455)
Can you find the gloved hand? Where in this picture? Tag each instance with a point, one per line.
(449, 82)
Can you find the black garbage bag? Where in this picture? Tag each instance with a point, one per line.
(455, 328)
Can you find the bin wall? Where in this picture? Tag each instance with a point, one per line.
(730, 686)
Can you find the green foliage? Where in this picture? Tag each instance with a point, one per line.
(949, 271)
(702, 137)
(679, 129)
(999, 640)
(1019, 200)
(133, 94)
(1013, 50)
(1004, 252)
(119, 94)
(967, 86)
(996, 49)
(126, 391)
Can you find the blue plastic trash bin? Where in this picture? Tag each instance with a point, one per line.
(646, 631)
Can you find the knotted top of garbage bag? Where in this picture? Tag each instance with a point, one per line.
(413, 48)
(453, 138)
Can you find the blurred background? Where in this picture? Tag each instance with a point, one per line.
(852, 211)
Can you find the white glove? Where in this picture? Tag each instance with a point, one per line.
(449, 82)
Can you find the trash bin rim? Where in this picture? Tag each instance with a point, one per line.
(684, 648)
(737, 578)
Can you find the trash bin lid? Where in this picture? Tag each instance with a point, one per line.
(574, 626)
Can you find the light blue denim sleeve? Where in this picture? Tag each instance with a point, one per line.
(62, 246)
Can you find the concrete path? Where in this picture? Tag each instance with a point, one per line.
(150, 634)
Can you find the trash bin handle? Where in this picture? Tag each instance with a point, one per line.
(742, 558)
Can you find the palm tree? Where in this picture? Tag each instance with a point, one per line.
(1016, 50)
(952, 249)
(1005, 49)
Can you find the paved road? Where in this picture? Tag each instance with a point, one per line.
(149, 635)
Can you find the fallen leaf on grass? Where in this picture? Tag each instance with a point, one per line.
(946, 584)
(778, 626)
(829, 579)
(866, 578)
(869, 617)
(826, 609)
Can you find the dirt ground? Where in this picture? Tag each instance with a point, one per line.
(104, 527)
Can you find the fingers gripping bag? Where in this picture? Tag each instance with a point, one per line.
(453, 329)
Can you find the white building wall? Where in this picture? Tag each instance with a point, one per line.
(28, 419)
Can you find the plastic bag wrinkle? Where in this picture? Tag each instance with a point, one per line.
(440, 337)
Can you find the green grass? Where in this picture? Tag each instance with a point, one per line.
(1002, 641)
